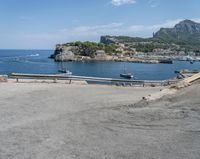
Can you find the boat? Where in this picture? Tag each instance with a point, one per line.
(180, 76)
(126, 75)
(65, 71)
(177, 71)
(191, 62)
(166, 61)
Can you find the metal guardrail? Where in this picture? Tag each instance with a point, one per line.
(56, 77)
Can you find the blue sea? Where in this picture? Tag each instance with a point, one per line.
(37, 61)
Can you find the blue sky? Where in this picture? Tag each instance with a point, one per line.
(40, 24)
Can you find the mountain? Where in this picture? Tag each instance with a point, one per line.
(186, 34)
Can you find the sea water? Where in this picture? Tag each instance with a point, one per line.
(37, 61)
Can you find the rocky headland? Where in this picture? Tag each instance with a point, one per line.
(90, 51)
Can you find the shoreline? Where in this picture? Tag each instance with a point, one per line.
(129, 60)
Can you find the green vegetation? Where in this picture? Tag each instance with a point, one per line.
(149, 47)
(89, 48)
(145, 47)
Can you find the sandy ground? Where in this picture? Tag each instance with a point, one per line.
(59, 121)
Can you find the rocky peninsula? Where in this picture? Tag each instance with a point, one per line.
(91, 51)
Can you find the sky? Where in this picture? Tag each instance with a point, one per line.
(41, 24)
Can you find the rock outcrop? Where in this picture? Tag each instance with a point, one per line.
(64, 53)
(82, 50)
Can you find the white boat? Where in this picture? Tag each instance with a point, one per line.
(64, 70)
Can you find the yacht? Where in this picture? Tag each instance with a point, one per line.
(65, 71)
(126, 75)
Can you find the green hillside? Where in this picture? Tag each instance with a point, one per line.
(185, 34)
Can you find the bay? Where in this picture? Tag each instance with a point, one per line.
(37, 61)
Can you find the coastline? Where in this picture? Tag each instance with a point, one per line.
(112, 59)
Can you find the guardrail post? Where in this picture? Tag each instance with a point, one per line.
(55, 80)
(17, 80)
(70, 81)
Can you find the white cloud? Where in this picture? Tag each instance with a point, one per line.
(153, 3)
(98, 28)
(122, 2)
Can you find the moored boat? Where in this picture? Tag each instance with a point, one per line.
(176, 71)
(191, 62)
(166, 61)
(65, 71)
(126, 75)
